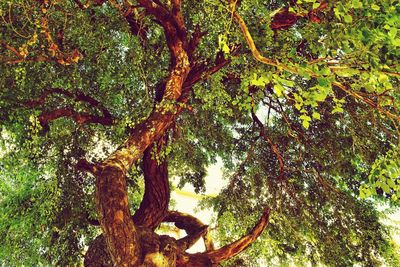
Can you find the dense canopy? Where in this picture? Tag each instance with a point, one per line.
(102, 103)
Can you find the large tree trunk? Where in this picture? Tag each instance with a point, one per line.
(111, 194)
(132, 242)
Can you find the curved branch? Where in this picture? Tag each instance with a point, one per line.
(78, 96)
(79, 117)
(191, 225)
(238, 246)
(211, 258)
(295, 70)
(111, 190)
(156, 197)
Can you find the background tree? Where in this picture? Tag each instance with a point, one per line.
(103, 101)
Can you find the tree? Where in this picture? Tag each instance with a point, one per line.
(298, 98)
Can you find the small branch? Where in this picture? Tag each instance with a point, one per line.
(78, 117)
(128, 12)
(295, 70)
(11, 48)
(284, 19)
(273, 146)
(195, 41)
(200, 73)
(189, 240)
(80, 5)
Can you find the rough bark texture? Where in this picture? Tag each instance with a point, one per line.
(97, 254)
(191, 225)
(111, 195)
(155, 201)
(131, 241)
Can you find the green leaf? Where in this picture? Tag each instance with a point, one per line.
(357, 4)
(392, 33)
(324, 82)
(391, 183)
(347, 18)
(279, 89)
(316, 115)
(385, 188)
(305, 124)
(286, 82)
(347, 72)
(375, 7)
(383, 78)
(337, 109)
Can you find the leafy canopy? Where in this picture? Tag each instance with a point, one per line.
(305, 118)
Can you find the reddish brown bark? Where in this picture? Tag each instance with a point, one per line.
(156, 197)
(210, 258)
(191, 225)
(284, 19)
(78, 117)
(111, 194)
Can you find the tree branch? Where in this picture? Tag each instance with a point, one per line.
(238, 246)
(79, 117)
(284, 19)
(273, 146)
(191, 225)
(295, 70)
(211, 258)
(189, 240)
(154, 205)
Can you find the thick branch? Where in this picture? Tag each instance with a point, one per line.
(191, 225)
(156, 197)
(238, 246)
(173, 24)
(211, 258)
(111, 194)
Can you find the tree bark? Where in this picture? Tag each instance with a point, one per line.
(156, 197)
(111, 194)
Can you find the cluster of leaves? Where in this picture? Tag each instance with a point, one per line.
(384, 175)
(332, 142)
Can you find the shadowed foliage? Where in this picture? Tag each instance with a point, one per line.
(102, 103)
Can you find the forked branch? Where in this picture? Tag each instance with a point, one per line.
(79, 117)
(191, 225)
